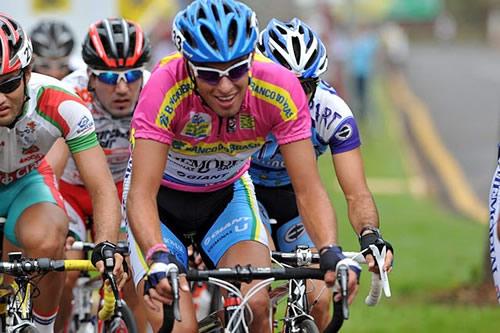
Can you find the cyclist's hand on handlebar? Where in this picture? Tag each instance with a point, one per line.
(156, 285)
(373, 237)
(330, 256)
(69, 242)
(106, 259)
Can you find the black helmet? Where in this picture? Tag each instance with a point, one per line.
(115, 43)
(52, 39)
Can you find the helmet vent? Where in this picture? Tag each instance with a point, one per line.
(216, 13)
(311, 59)
(227, 9)
(232, 33)
(281, 30)
(275, 38)
(296, 48)
(310, 39)
(248, 27)
(189, 39)
(202, 14)
(281, 59)
(207, 35)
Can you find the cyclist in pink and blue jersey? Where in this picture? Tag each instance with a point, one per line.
(295, 46)
(36, 110)
(200, 117)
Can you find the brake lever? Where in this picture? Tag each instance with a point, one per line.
(343, 280)
(379, 257)
(173, 277)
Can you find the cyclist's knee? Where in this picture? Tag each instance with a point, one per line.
(260, 305)
(42, 229)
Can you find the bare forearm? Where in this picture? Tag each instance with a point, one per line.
(143, 219)
(106, 215)
(318, 217)
(362, 211)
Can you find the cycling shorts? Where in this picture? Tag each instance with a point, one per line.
(279, 204)
(36, 187)
(211, 221)
(78, 205)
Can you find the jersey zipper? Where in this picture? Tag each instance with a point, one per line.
(221, 122)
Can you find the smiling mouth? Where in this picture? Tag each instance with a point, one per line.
(225, 98)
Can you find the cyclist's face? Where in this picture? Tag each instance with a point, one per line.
(226, 96)
(53, 66)
(11, 102)
(118, 99)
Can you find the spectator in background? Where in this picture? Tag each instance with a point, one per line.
(161, 39)
(363, 55)
(396, 45)
(52, 43)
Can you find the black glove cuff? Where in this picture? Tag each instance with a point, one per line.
(373, 238)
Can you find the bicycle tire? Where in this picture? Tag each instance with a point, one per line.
(308, 326)
(28, 329)
(127, 319)
(337, 318)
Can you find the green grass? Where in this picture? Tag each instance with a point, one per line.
(436, 250)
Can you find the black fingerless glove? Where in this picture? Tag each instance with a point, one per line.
(374, 238)
(104, 251)
(162, 261)
(329, 257)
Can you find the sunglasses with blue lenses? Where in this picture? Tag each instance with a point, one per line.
(113, 77)
(213, 75)
(8, 86)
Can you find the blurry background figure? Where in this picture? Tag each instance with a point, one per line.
(445, 27)
(53, 44)
(362, 62)
(336, 40)
(396, 45)
(161, 39)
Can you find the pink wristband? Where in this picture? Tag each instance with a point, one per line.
(155, 248)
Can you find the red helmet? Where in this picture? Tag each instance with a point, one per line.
(116, 43)
(15, 47)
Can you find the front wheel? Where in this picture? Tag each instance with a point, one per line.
(124, 324)
(308, 326)
(28, 329)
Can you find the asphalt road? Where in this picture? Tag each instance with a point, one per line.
(460, 84)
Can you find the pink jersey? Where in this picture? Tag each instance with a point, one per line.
(208, 152)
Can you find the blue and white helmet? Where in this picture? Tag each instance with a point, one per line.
(294, 45)
(215, 31)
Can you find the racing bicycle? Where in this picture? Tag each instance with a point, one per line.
(235, 305)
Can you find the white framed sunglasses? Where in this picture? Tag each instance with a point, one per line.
(213, 75)
(113, 77)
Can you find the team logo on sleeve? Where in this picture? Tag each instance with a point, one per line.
(84, 124)
(199, 126)
(344, 133)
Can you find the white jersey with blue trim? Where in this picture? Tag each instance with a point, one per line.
(333, 125)
(494, 210)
